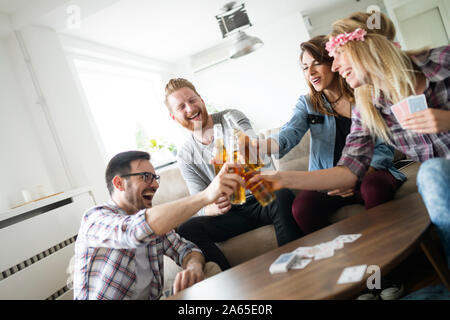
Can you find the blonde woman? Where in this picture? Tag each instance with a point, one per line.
(382, 75)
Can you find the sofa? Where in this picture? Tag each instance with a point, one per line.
(263, 239)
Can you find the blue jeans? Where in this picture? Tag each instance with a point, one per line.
(437, 292)
(433, 182)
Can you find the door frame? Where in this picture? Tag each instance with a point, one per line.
(392, 7)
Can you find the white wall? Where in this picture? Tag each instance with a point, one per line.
(265, 84)
(22, 163)
(74, 136)
(50, 144)
(53, 144)
(322, 20)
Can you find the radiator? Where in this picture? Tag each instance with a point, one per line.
(37, 245)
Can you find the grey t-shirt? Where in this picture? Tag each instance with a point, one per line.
(194, 157)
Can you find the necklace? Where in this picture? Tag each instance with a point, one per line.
(334, 102)
(336, 113)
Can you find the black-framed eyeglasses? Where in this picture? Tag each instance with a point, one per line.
(148, 177)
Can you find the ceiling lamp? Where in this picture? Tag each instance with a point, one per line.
(244, 44)
(233, 20)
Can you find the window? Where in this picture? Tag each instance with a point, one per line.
(128, 109)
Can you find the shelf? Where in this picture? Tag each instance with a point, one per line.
(42, 203)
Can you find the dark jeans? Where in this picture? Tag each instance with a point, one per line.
(205, 231)
(311, 209)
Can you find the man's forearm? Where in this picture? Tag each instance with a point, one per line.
(165, 217)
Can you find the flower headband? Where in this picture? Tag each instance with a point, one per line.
(343, 38)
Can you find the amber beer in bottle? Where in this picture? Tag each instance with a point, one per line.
(260, 190)
(238, 197)
(251, 165)
(220, 155)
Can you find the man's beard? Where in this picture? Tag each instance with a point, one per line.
(137, 201)
(196, 125)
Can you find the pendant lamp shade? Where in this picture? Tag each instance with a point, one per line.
(244, 44)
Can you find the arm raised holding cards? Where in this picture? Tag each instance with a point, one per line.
(428, 121)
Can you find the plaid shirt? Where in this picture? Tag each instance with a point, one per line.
(105, 254)
(419, 147)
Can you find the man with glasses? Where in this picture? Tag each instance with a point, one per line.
(120, 245)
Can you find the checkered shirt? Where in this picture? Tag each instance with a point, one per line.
(105, 254)
(419, 147)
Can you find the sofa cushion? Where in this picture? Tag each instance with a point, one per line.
(171, 187)
(249, 245)
(171, 270)
(408, 187)
(297, 158)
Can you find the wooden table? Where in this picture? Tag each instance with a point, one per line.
(390, 232)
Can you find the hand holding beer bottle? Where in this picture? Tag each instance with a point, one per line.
(238, 196)
(220, 156)
(251, 163)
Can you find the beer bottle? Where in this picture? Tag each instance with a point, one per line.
(252, 163)
(238, 196)
(219, 152)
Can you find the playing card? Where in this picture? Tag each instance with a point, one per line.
(304, 252)
(417, 103)
(400, 110)
(300, 263)
(352, 274)
(348, 238)
(324, 253)
(338, 244)
(409, 105)
(334, 244)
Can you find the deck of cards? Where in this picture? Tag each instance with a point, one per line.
(408, 106)
(283, 263)
(302, 256)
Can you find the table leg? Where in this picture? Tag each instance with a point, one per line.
(434, 251)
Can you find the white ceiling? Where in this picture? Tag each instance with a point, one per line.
(12, 6)
(166, 30)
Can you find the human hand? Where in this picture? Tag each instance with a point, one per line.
(221, 206)
(188, 277)
(273, 178)
(428, 121)
(224, 184)
(344, 193)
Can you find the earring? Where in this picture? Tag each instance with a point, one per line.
(172, 116)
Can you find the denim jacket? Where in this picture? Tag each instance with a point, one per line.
(323, 136)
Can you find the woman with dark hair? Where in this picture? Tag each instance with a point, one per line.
(326, 112)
